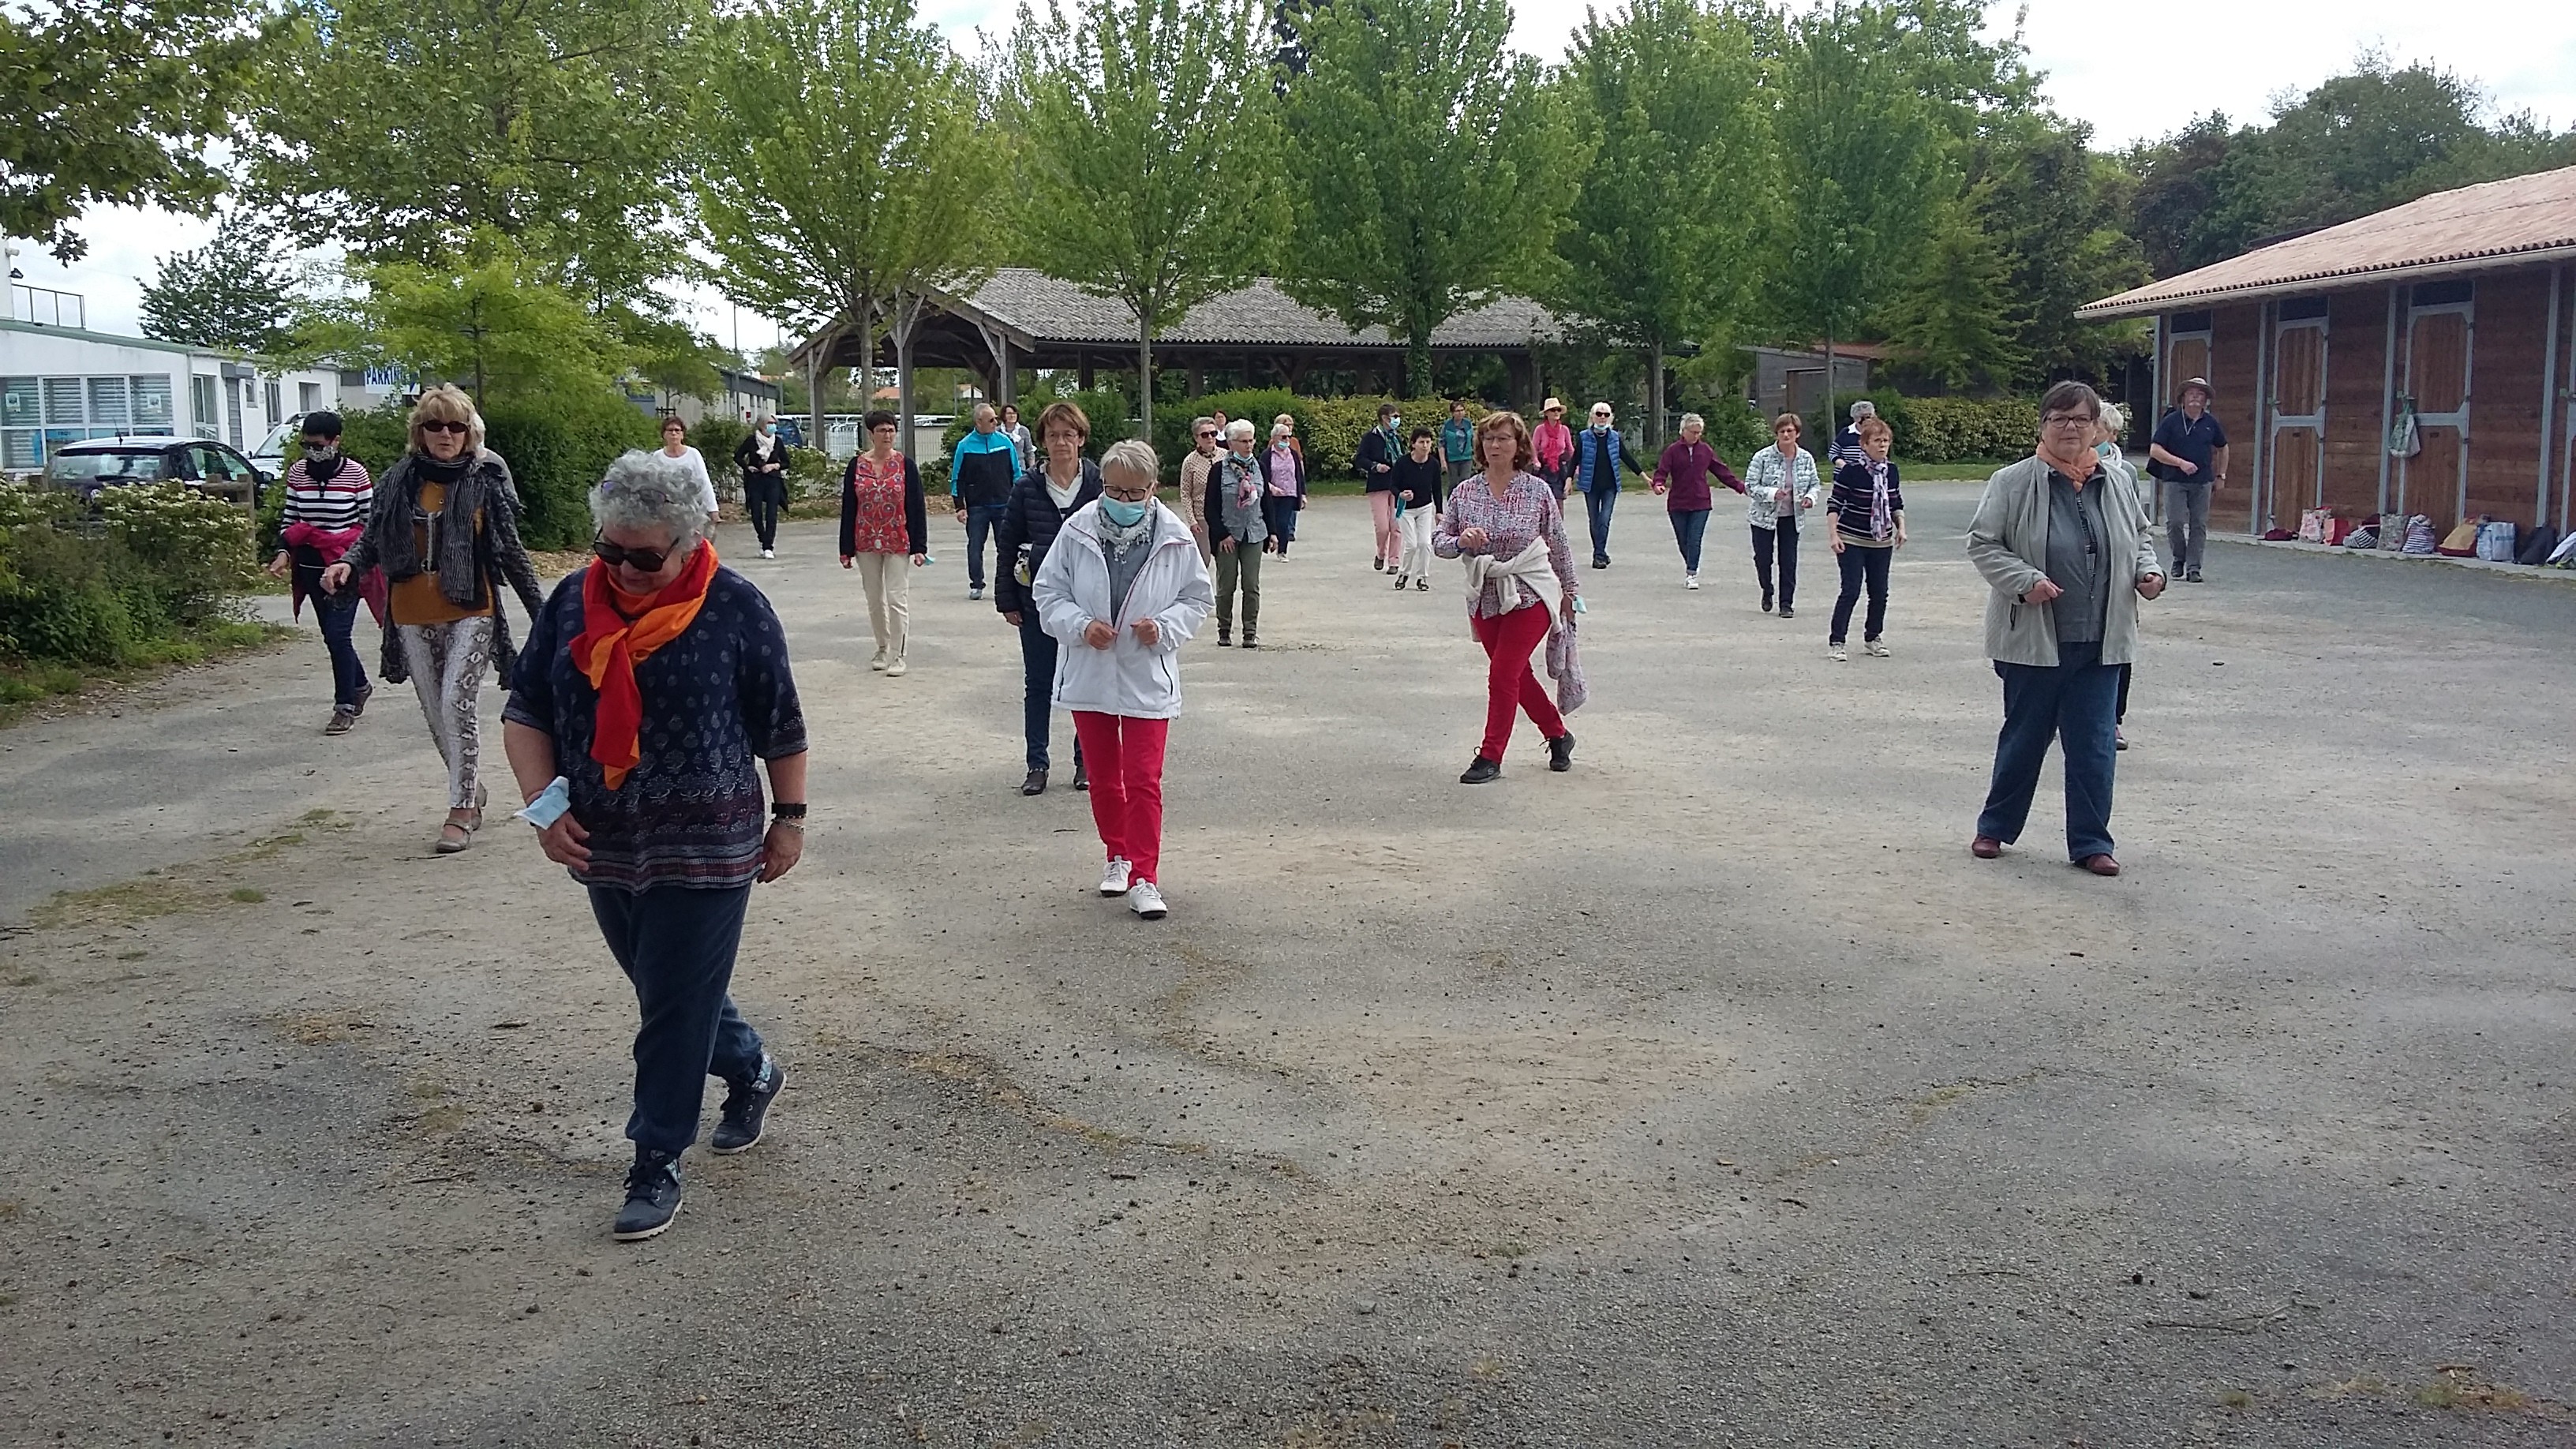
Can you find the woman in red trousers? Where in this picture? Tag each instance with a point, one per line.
(1506, 523)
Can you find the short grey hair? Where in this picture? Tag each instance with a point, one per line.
(1864, 409)
(983, 408)
(1240, 428)
(2114, 419)
(1689, 419)
(649, 492)
(1201, 422)
(763, 420)
(1133, 455)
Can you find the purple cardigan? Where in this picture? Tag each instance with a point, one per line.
(1685, 468)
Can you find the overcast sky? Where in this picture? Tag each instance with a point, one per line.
(2132, 71)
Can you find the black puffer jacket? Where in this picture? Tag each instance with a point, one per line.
(1029, 523)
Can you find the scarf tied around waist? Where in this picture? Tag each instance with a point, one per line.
(610, 645)
(1532, 566)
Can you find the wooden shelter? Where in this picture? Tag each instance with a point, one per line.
(2457, 306)
(1023, 318)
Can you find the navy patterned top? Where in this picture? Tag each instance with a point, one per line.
(691, 812)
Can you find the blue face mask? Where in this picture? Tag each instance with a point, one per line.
(1125, 515)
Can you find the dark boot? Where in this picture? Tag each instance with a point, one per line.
(1560, 752)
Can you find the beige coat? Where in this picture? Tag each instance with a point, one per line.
(2008, 542)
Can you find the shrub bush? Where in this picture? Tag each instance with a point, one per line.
(1965, 430)
(155, 562)
(557, 449)
(715, 437)
(1735, 431)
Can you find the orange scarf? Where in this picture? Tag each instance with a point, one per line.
(611, 644)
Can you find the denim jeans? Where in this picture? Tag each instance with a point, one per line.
(981, 520)
(677, 945)
(1689, 527)
(1781, 538)
(1861, 567)
(1037, 662)
(2071, 703)
(1597, 505)
(1279, 515)
(338, 615)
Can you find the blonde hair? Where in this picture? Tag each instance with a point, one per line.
(447, 403)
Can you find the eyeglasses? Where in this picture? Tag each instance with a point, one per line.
(1206, 436)
(642, 560)
(2067, 420)
(441, 425)
(1132, 494)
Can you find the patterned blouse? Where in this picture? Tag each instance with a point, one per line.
(877, 506)
(1527, 511)
(1766, 479)
(715, 699)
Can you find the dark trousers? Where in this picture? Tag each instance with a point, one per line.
(677, 945)
(763, 495)
(1037, 662)
(2120, 715)
(1597, 505)
(1861, 565)
(981, 520)
(338, 615)
(2071, 703)
(1279, 515)
(1689, 527)
(1782, 538)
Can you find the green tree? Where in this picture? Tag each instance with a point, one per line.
(236, 292)
(1657, 249)
(1956, 318)
(557, 124)
(2055, 209)
(842, 172)
(1128, 115)
(1426, 163)
(493, 324)
(113, 102)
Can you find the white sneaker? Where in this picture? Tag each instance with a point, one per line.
(1876, 648)
(769, 553)
(1690, 581)
(1145, 901)
(1837, 653)
(896, 669)
(1113, 881)
(879, 662)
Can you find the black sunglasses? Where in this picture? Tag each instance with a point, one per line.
(443, 426)
(642, 560)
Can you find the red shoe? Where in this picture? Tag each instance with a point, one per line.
(1985, 847)
(2100, 864)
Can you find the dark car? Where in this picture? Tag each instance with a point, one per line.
(200, 463)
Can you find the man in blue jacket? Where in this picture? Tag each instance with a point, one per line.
(980, 474)
(1599, 454)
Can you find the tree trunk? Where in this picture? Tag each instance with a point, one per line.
(1655, 398)
(1144, 377)
(814, 385)
(1417, 363)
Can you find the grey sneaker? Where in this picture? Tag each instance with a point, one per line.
(652, 1196)
(746, 1110)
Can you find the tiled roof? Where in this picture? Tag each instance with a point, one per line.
(2476, 228)
(1051, 311)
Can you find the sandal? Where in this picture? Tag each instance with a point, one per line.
(464, 836)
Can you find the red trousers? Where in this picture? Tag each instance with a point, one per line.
(1510, 683)
(1125, 757)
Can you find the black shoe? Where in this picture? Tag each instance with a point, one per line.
(359, 706)
(1224, 639)
(1480, 770)
(1766, 603)
(1378, 563)
(2193, 577)
(1249, 642)
(1560, 752)
(746, 1107)
(342, 719)
(1081, 775)
(1035, 784)
(652, 1196)
(1787, 613)
(1601, 563)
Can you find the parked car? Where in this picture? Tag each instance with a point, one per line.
(201, 463)
(269, 457)
(791, 431)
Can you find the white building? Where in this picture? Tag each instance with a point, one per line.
(63, 384)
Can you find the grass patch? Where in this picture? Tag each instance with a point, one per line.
(246, 895)
(133, 900)
(2460, 1388)
(1977, 472)
(2236, 1399)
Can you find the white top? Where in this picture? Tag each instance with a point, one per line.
(697, 465)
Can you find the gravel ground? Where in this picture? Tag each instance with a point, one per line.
(1707, 1095)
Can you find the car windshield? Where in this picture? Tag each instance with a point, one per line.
(107, 467)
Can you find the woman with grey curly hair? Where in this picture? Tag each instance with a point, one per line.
(652, 680)
(444, 526)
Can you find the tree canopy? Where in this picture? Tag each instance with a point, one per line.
(237, 292)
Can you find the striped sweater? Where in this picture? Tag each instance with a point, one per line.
(337, 503)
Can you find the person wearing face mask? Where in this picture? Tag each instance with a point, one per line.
(1121, 592)
(1283, 469)
(1237, 523)
(1421, 489)
(1379, 450)
(327, 496)
(1599, 454)
(653, 679)
(444, 527)
(763, 460)
(1040, 503)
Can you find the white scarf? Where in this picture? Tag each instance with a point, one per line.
(1530, 566)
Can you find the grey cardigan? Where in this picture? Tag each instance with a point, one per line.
(2008, 542)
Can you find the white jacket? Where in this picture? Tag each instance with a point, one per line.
(1072, 589)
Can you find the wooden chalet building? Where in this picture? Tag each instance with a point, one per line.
(2461, 305)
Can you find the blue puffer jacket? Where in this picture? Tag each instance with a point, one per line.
(1029, 523)
(1592, 472)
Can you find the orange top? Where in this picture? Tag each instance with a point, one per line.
(416, 600)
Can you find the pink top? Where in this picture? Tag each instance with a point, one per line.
(1526, 512)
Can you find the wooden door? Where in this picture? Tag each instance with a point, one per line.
(2186, 355)
(2296, 459)
(2435, 480)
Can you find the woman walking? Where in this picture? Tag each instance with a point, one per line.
(1039, 504)
(1196, 464)
(1682, 475)
(444, 526)
(1284, 469)
(1780, 485)
(1554, 446)
(1421, 489)
(653, 679)
(1868, 511)
(1506, 522)
(1019, 436)
(1238, 524)
(327, 497)
(1379, 450)
(2065, 546)
(763, 460)
(675, 446)
(1121, 593)
(885, 534)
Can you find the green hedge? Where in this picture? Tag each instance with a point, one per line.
(1330, 428)
(1939, 429)
(155, 562)
(715, 437)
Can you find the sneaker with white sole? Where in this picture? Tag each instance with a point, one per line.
(896, 669)
(1114, 880)
(1837, 653)
(878, 663)
(1145, 900)
(1875, 648)
(1690, 581)
(769, 553)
